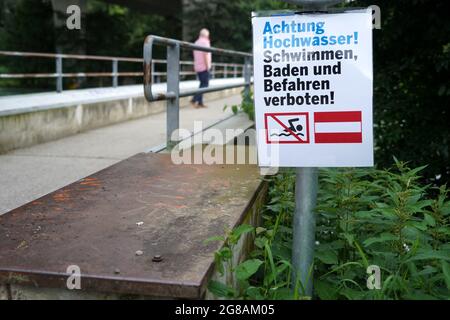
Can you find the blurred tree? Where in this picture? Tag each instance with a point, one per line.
(411, 85)
(113, 30)
(228, 21)
(27, 25)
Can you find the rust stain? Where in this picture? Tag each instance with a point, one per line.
(62, 196)
(91, 182)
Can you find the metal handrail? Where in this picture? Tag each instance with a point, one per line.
(115, 74)
(67, 56)
(148, 62)
(173, 93)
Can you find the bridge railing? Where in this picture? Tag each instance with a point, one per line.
(173, 93)
(224, 69)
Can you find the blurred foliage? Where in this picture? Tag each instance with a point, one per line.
(107, 29)
(26, 25)
(246, 105)
(115, 30)
(411, 85)
(228, 21)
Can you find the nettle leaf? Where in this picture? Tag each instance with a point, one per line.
(364, 214)
(242, 229)
(280, 250)
(221, 290)
(446, 272)
(225, 253)
(419, 295)
(418, 225)
(214, 239)
(325, 290)
(260, 230)
(247, 268)
(429, 220)
(388, 213)
(443, 230)
(427, 270)
(327, 256)
(413, 233)
(446, 209)
(349, 237)
(254, 293)
(381, 238)
(352, 294)
(219, 263)
(260, 242)
(283, 294)
(431, 255)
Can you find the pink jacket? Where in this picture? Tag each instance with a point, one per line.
(202, 59)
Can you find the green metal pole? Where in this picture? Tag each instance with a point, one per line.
(306, 185)
(304, 228)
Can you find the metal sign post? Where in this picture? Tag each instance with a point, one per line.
(306, 184)
(313, 89)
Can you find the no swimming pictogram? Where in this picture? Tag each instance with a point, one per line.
(287, 127)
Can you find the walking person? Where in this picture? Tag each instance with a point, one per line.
(202, 65)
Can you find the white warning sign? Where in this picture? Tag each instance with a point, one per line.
(313, 88)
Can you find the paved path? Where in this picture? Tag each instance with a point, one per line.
(29, 173)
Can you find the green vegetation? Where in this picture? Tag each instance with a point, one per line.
(412, 85)
(220, 18)
(107, 29)
(365, 217)
(246, 105)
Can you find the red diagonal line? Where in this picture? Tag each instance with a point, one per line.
(289, 130)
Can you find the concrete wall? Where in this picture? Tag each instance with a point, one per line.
(244, 245)
(30, 128)
(3, 292)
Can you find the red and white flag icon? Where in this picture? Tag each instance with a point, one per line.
(338, 127)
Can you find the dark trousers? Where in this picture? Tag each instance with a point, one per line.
(204, 82)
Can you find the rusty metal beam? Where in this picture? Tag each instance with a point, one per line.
(144, 203)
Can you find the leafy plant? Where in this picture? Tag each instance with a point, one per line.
(383, 218)
(246, 105)
(365, 217)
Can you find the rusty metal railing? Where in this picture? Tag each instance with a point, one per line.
(224, 69)
(173, 93)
